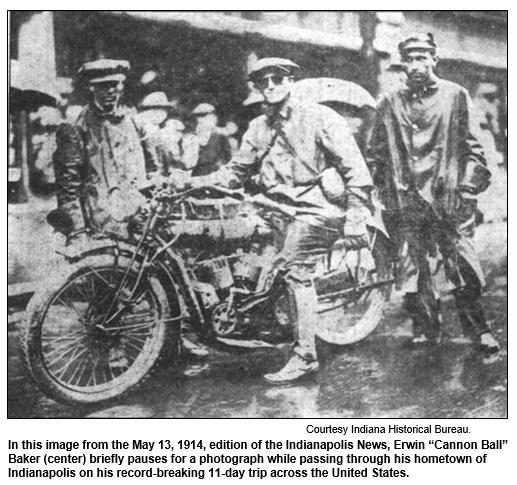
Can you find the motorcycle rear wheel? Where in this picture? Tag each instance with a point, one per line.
(84, 340)
(361, 307)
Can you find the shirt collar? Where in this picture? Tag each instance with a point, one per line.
(419, 91)
(282, 114)
(115, 115)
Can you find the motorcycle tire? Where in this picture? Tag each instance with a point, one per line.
(85, 341)
(364, 309)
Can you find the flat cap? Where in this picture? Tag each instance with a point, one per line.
(149, 77)
(418, 41)
(156, 100)
(203, 109)
(273, 63)
(104, 70)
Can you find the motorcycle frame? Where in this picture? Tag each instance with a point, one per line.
(175, 277)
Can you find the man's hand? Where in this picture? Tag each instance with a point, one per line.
(332, 185)
(136, 223)
(77, 243)
(355, 229)
(158, 181)
(467, 206)
(182, 180)
(179, 180)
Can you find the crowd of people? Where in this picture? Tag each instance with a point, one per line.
(424, 157)
(194, 143)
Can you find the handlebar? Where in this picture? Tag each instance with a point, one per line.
(260, 200)
(210, 190)
(152, 191)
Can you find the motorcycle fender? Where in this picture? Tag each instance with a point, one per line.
(179, 274)
(172, 288)
(95, 246)
(168, 280)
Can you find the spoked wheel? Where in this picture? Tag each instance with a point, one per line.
(353, 308)
(96, 332)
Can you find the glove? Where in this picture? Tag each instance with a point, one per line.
(123, 202)
(475, 179)
(355, 229)
(77, 243)
(136, 222)
(157, 180)
(467, 207)
(332, 185)
(179, 180)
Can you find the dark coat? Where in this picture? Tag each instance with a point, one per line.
(100, 163)
(212, 156)
(424, 145)
(427, 142)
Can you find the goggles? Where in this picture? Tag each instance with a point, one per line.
(107, 84)
(263, 82)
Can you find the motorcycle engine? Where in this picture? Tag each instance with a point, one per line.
(225, 244)
(226, 285)
(222, 219)
(247, 271)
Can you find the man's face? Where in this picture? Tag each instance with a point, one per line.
(152, 118)
(107, 94)
(419, 65)
(208, 121)
(275, 86)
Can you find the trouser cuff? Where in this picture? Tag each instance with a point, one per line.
(305, 352)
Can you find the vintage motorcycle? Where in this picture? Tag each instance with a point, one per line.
(203, 258)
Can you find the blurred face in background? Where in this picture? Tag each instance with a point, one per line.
(152, 118)
(173, 130)
(206, 121)
(488, 105)
(107, 94)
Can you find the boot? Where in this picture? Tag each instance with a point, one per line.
(296, 369)
(473, 320)
(425, 317)
(488, 344)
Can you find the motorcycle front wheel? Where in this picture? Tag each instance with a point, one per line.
(96, 331)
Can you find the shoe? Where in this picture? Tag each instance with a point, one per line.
(296, 369)
(195, 370)
(488, 344)
(420, 340)
(423, 339)
(193, 351)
